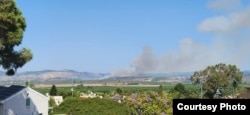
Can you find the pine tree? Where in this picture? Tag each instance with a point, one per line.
(12, 26)
(53, 91)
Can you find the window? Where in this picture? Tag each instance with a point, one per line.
(28, 102)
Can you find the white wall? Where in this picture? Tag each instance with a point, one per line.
(39, 99)
(58, 99)
(1, 109)
(16, 105)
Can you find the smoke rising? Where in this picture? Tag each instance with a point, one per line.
(230, 44)
(146, 62)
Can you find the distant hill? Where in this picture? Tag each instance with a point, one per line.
(53, 75)
(166, 77)
(68, 75)
(246, 75)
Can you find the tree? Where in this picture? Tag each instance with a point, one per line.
(53, 91)
(12, 26)
(119, 90)
(29, 84)
(179, 91)
(216, 77)
(160, 90)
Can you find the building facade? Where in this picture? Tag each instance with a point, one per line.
(21, 100)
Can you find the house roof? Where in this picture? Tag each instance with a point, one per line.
(6, 92)
(244, 95)
(1, 88)
(41, 95)
(117, 97)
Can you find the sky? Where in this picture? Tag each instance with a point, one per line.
(135, 36)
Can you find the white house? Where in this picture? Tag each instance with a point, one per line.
(21, 100)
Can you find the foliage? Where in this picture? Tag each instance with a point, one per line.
(150, 103)
(92, 106)
(29, 84)
(12, 26)
(179, 91)
(68, 93)
(217, 76)
(160, 90)
(118, 90)
(52, 102)
(108, 90)
(53, 91)
(65, 93)
(112, 89)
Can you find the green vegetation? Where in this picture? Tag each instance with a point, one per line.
(29, 84)
(94, 106)
(153, 101)
(53, 91)
(111, 89)
(150, 103)
(52, 102)
(179, 91)
(119, 90)
(218, 77)
(148, 99)
(12, 26)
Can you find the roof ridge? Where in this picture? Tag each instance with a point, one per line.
(7, 92)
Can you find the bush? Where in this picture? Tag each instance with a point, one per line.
(150, 103)
(92, 106)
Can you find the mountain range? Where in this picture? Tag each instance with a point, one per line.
(60, 75)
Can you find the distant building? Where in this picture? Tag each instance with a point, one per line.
(21, 100)
(89, 95)
(245, 95)
(58, 99)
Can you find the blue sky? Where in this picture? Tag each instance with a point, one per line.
(111, 35)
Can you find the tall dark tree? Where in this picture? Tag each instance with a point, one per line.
(27, 83)
(53, 91)
(119, 90)
(160, 90)
(12, 26)
(219, 76)
(179, 91)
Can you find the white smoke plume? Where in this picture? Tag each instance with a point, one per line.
(146, 62)
(230, 44)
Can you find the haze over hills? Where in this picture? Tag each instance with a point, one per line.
(63, 75)
(53, 75)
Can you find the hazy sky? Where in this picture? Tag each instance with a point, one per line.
(129, 36)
